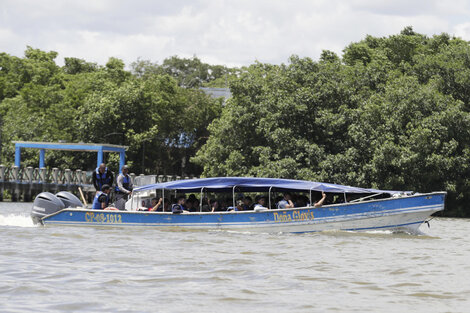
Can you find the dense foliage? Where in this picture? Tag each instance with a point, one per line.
(393, 113)
(162, 123)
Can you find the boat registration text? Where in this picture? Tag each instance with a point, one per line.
(91, 217)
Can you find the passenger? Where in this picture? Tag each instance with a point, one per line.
(102, 176)
(155, 204)
(148, 205)
(123, 188)
(302, 201)
(196, 206)
(260, 203)
(286, 202)
(101, 200)
(320, 202)
(215, 206)
(190, 207)
(248, 203)
(178, 207)
(163, 205)
(191, 198)
(206, 205)
(223, 204)
(240, 205)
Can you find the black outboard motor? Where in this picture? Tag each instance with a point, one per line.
(44, 204)
(69, 199)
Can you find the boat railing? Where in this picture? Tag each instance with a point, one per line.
(365, 198)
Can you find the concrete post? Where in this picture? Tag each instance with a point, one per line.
(42, 174)
(14, 173)
(29, 174)
(68, 176)
(36, 175)
(78, 175)
(55, 175)
(132, 176)
(2, 173)
(84, 178)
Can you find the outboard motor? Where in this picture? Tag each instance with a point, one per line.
(69, 199)
(44, 204)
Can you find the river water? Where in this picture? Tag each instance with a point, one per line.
(79, 269)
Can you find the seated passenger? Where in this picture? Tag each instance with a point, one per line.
(178, 207)
(240, 205)
(320, 202)
(155, 204)
(260, 203)
(206, 205)
(215, 206)
(302, 201)
(147, 206)
(162, 206)
(286, 202)
(101, 200)
(248, 203)
(190, 205)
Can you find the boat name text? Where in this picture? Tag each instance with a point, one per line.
(294, 216)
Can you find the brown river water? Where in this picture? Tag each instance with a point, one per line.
(80, 269)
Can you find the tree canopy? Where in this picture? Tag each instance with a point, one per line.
(392, 113)
(162, 123)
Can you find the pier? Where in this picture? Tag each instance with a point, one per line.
(24, 183)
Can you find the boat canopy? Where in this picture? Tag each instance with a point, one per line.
(254, 184)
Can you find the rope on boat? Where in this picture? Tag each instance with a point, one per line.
(427, 221)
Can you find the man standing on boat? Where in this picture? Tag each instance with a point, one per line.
(102, 176)
(123, 188)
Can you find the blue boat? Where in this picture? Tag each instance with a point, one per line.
(347, 208)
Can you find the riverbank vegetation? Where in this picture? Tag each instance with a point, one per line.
(390, 113)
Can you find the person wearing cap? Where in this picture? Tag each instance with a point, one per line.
(101, 200)
(123, 188)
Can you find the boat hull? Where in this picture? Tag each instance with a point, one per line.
(401, 214)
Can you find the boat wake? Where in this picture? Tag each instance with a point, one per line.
(17, 220)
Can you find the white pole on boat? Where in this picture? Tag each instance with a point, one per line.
(163, 200)
(233, 196)
(200, 202)
(345, 199)
(310, 198)
(269, 195)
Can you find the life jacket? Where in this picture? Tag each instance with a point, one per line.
(96, 204)
(126, 184)
(177, 208)
(102, 179)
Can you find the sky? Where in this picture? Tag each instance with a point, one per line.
(227, 32)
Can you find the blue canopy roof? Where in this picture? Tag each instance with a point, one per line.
(254, 184)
